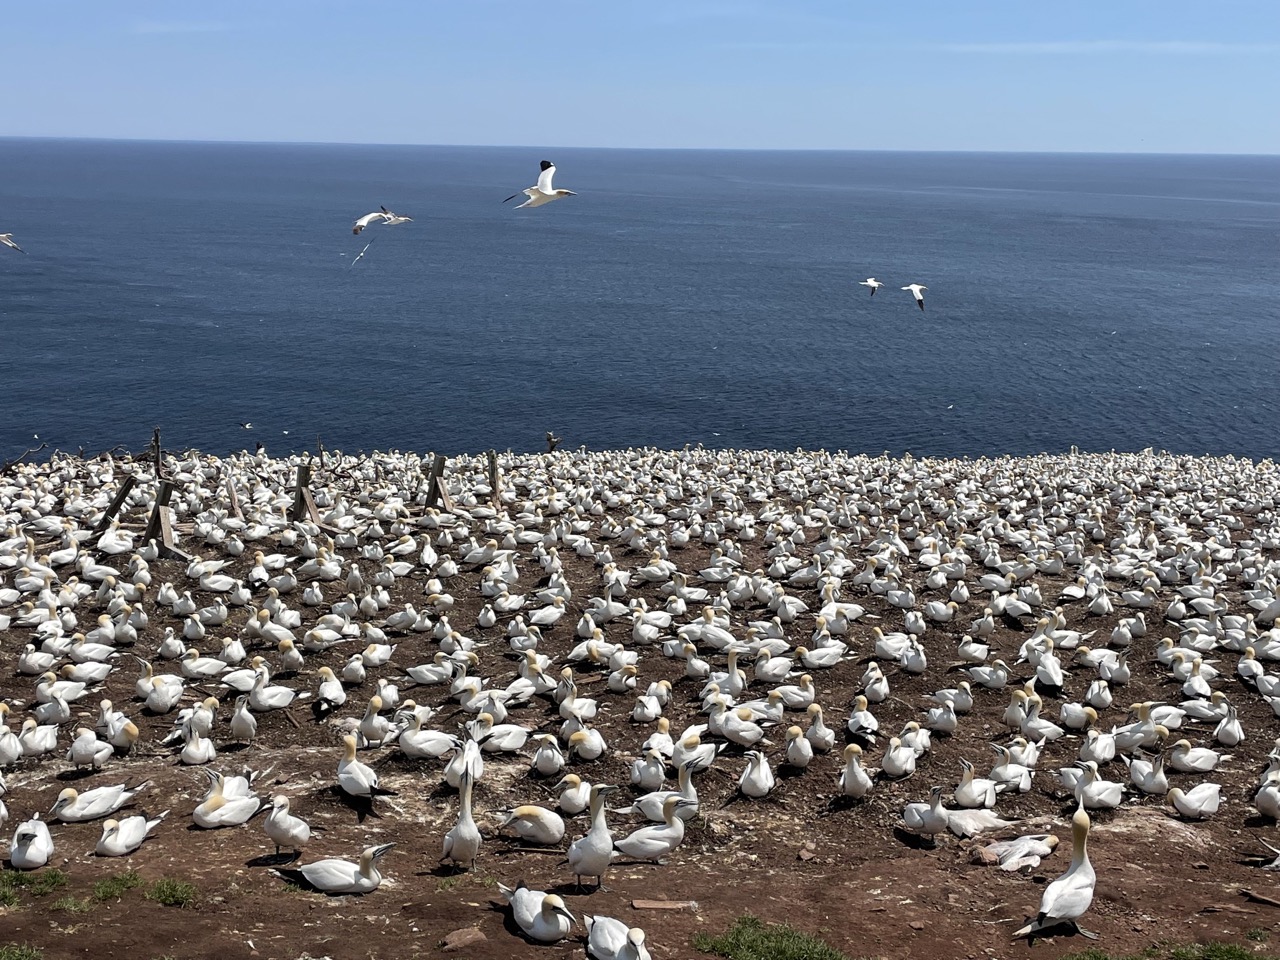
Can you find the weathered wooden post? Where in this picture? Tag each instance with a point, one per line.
(232, 496)
(437, 492)
(155, 449)
(493, 476)
(304, 504)
(116, 503)
(159, 523)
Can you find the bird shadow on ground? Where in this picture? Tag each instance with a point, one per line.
(363, 806)
(73, 775)
(841, 803)
(273, 859)
(913, 841)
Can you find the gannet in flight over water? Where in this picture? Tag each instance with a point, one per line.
(916, 289)
(871, 282)
(383, 214)
(7, 238)
(542, 192)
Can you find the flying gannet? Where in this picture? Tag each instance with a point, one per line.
(542, 192)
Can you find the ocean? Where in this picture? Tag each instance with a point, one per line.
(683, 297)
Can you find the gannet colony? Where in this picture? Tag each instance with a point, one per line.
(764, 677)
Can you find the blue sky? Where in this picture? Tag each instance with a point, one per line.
(1082, 75)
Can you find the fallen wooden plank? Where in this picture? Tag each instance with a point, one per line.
(1259, 898)
(664, 904)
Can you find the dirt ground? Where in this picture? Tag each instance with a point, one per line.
(865, 889)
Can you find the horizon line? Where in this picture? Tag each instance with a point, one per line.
(520, 146)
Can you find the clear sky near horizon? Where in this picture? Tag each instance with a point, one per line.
(1123, 75)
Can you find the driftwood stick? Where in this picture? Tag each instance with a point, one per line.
(18, 459)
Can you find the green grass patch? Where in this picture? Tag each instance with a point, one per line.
(172, 893)
(72, 905)
(113, 888)
(37, 884)
(20, 951)
(752, 939)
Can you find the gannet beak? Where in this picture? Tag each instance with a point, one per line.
(381, 849)
(564, 912)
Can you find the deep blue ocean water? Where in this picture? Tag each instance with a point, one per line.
(1111, 302)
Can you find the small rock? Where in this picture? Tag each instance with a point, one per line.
(916, 925)
(463, 938)
(1200, 866)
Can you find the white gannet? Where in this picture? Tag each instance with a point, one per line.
(610, 939)
(1198, 803)
(535, 824)
(542, 191)
(462, 842)
(575, 794)
(926, 819)
(32, 846)
(541, 916)
(871, 282)
(1022, 852)
(121, 837)
(653, 842)
(757, 778)
(369, 218)
(334, 876)
(1067, 898)
(218, 809)
(284, 829)
(74, 807)
(355, 778)
(917, 292)
(7, 240)
(855, 782)
(590, 854)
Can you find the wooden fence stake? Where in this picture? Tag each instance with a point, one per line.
(493, 476)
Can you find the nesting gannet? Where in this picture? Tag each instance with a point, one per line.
(871, 282)
(757, 778)
(121, 837)
(1022, 852)
(542, 192)
(926, 819)
(334, 876)
(1066, 899)
(74, 807)
(540, 916)
(220, 809)
(535, 824)
(917, 292)
(1198, 803)
(7, 240)
(611, 939)
(32, 846)
(854, 780)
(284, 829)
(355, 778)
(575, 794)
